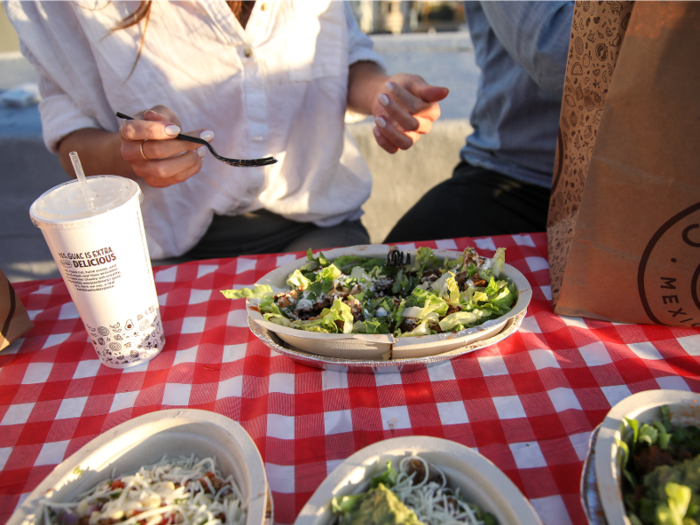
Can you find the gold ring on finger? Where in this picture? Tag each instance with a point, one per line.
(141, 148)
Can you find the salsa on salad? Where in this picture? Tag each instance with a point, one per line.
(179, 490)
(370, 295)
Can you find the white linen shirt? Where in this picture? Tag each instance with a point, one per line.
(277, 87)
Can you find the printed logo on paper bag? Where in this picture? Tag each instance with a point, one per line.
(135, 339)
(669, 272)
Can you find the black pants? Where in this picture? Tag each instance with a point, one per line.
(265, 232)
(475, 202)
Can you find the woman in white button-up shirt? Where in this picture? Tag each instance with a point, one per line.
(276, 82)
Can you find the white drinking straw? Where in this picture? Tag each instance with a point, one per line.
(81, 178)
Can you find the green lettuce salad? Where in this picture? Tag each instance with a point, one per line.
(366, 295)
(660, 465)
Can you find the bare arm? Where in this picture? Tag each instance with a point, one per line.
(366, 81)
(99, 152)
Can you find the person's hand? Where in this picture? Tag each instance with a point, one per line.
(148, 145)
(404, 110)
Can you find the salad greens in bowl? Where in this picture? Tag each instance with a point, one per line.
(367, 301)
(417, 493)
(648, 460)
(417, 480)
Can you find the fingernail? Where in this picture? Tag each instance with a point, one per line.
(376, 131)
(383, 100)
(201, 150)
(380, 122)
(206, 135)
(151, 111)
(390, 86)
(172, 130)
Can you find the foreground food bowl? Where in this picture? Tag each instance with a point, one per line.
(143, 441)
(382, 347)
(479, 481)
(644, 407)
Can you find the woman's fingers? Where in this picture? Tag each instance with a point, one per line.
(166, 172)
(162, 113)
(406, 110)
(165, 162)
(406, 99)
(383, 141)
(420, 122)
(157, 123)
(150, 145)
(136, 151)
(138, 129)
(396, 136)
(397, 112)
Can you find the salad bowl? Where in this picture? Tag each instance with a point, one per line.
(143, 441)
(369, 366)
(383, 347)
(479, 481)
(644, 407)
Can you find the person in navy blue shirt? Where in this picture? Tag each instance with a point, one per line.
(502, 184)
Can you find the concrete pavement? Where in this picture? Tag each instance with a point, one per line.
(27, 169)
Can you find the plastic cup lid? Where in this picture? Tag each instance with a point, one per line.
(66, 202)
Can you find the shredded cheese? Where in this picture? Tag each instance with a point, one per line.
(185, 490)
(434, 503)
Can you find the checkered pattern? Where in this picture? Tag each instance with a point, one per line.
(528, 403)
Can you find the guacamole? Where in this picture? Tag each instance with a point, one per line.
(415, 494)
(661, 469)
(380, 506)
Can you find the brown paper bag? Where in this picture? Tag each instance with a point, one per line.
(14, 321)
(624, 219)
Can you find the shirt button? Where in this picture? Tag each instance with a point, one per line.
(248, 52)
(263, 7)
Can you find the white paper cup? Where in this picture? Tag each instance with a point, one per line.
(100, 249)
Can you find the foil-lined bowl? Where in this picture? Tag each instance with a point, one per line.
(337, 364)
(143, 441)
(476, 478)
(382, 352)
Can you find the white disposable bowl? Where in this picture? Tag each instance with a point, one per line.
(479, 481)
(644, 407)
(143, 441)
(381, 347)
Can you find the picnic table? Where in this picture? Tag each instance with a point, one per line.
(528, 403)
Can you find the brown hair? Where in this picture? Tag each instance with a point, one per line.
(241, 9)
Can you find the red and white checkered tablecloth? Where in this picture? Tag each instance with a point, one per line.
(528, 403)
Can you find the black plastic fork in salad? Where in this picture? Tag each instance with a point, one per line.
(395, 257)
(237, 163)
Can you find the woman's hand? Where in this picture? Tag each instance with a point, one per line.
(404, 110)
(148, 144)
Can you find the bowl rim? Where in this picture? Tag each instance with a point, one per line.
(606, 448)
(154, 423)
(341, 482)
(339, 364)
(524, 290)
